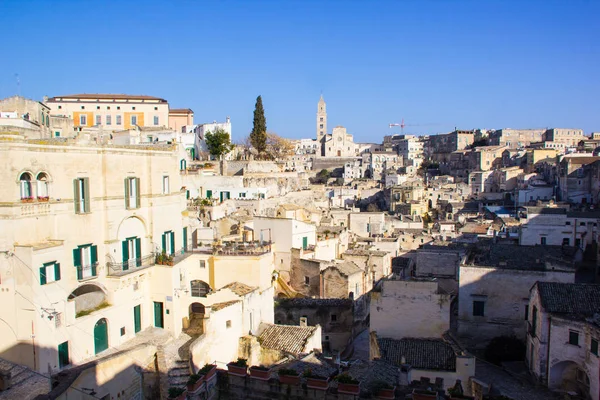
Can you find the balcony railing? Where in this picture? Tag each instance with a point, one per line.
(132, 265)
(85, 272)
(242, 249)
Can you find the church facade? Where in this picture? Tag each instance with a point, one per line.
(337, 144)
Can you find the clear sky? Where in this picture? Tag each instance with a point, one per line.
(440, 64)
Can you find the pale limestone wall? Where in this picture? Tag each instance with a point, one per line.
(505, 293)
(251, 270)
(116, 374)
(438, 262)
(420, 309)
(367, 223)
(465, 369)
(219, 343)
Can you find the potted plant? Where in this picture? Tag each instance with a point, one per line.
(418, 394)
(177, 393)
(209, 370)
(28, 199)
(194, 382)
(383, 390)
(43, 198)
(347, 384)
(288, 376)
(314, 381)
(238, 368)
(260, 372)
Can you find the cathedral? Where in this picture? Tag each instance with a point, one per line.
(339, 143)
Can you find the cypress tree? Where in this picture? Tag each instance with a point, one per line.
(258, 136)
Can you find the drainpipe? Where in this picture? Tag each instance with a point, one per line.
(548, 350)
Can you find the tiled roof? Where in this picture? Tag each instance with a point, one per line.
(546, 210)
(432, 354)
(287, 338)
(104, 96)
(241, 289)
(317, 364)
(346, 268)
(180, 111)
(222, 305)
(369, 372)
(314, 303)
(582, 299)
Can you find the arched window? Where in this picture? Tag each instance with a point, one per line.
(199, 288)
(182, 165)
(26, 189)
(42, 185)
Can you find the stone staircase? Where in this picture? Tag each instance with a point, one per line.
(174, 358)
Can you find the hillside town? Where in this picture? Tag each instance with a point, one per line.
(148, 255)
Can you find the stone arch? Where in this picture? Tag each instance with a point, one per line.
(199, 288)
(100, 335)
(42, 180)
(569, 376)
(196, 315)
(131, 225)
(88, 297)
(25, 181)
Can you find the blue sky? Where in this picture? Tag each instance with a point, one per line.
(440, 64)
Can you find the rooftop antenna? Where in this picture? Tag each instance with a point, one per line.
(18, 84)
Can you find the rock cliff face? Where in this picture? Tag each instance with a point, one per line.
(276, 186)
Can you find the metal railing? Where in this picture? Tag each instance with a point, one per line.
(237, 250)
(87, 271)
(132, 265)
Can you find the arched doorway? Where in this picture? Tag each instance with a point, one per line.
(100, 336)
(570, 377)
(196, 317)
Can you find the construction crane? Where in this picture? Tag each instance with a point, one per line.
(402, 125)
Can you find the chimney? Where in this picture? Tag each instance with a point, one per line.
(303, 322)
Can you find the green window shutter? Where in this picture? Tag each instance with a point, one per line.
(138, 252)
(76, 195)
(86, 194)
(56, 271)
(172, 243)
(125, 251)
(126, 193)
(137, 192)
(42, 275)
(164, 242)
(77, 257)
(94, 256)
(185, 239)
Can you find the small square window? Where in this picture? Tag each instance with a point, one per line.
(478, 308)
(83, 107)
(133, 108)
(123, 331)
(168, 312)
(228, 324)
(326, 337)
(60, 107)
(568, 223)
(582, 224)
(594, 347)
(574, 338)
(202, 263)
(565, 241)
(118, 107)
(97, 107)
(108, 107)
(333, 317)
(155, 108)
(306, 280)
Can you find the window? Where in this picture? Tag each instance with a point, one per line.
(321, 126)
(83, 120)
(123, 331)
(155, 120)
(228, 324)
(333, 317)
(98, 119)
(85, 259)
(57, 320)
(83, 107)
(199, 288)
(108, 119)
(321, 119)
(134, 120)
(118, 107)
(568, 223)
(26, 189)
(574, 338)
(97, 107)
(108, 107)
(133, 108)
(49, 272)
(478, 308)
(118, 119)
(132, 193)
(582, 224)
(132, 252)
(594, 347)
(543, 240)
(81, 187)
(60, 107)
(202, 263)
(165, 184)
(155, 108)
(526, 312)
(566, 241)
(168, 242)
(306, 280)
(577, 242)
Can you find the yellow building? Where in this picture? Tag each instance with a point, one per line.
(111, 111)
(180, 117)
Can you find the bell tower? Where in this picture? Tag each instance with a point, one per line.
(321, 119)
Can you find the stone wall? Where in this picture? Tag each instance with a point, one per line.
(300, 269)
(330, 163)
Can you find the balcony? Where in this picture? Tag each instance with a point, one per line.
(87, 272)
(133, 265)
(237, 249)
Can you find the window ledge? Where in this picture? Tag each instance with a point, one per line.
(574, 345)
(89, 278)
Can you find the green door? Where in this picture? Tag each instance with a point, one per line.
(63, 355)
(137, 319)
(100, 336)
(221, 196)
(185, 247)
(209, 194)
(158, 315)
(304, 242)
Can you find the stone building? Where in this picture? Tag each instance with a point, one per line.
(574, 183)
(376, 263)
(564, 136)
(337, 144)
(342, 280)
(421, 304)
(111, 111)
(494, 284)
(366, 223)
(334, 316)
(179, 118)
(563, 333)
(28, 117)
(515, 138)
(410, 148)
(439, 147)
(485, 158)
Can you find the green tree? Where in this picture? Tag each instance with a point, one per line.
(218, 143)
(258, 136)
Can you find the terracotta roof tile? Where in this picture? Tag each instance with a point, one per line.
(582, 299)
(241, 289)
(287, 338)
(432, 354)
